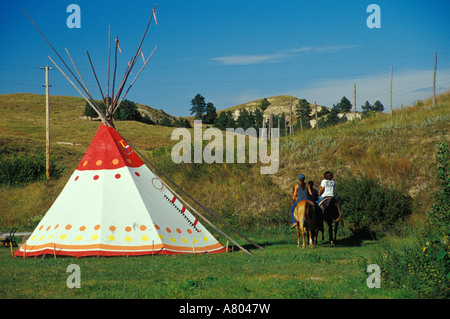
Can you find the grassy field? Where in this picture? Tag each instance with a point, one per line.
(399, 150)
(280, 271)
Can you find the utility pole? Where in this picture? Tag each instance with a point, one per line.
(47, 122)
(317, 118)
(434, 78)
(391, 91)
(290, 120)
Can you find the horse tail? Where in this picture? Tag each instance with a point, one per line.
(337, 203)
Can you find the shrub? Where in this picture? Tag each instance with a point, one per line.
(22, 169)
(423, 265)
(369, 207)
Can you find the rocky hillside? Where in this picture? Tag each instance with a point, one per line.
(282, 104)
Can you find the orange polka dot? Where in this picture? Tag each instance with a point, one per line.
(157, 227)
(97, 227)
(98, 163)
(85, 163)
(168, 230)
(57, 225)
(189, 231)
(129, 161)
(143, 227)
(178, 231)
(128, 229)
(115, 161)
(48, 228)
(68, 227)
(82, 228)
(41, 227)
(112, 228)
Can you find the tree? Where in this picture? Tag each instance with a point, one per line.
(369, 109)
(378, 107)
(225, 120)
(181, 122)
(303, 113)
(211, 114)
(343, 106)
(258, 115)
(243, 119)
(221, 121)
(89, 111)
(127, 111)
(165, 121)
(231, 123)
(264, 104)
(332, 117)
(198, 106)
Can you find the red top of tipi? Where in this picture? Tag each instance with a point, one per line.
(108, 150)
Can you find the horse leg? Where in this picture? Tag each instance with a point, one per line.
(303, 235)
(330, 231)
(298, 234)
(336, 224)
(311, 245)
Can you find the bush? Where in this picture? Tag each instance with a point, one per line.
(22, 169)
(370, 208)
(423, 265)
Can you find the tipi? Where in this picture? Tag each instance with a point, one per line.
(113, 204)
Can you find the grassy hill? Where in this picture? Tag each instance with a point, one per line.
(399, 150)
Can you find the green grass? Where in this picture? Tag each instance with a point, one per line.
(280, 271)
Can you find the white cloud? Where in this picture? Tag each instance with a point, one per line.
(324, 49)
(250, 59)
(407, 87)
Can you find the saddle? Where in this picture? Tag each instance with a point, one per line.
(322, 202)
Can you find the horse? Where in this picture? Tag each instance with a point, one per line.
(331, 210)
(306, 216)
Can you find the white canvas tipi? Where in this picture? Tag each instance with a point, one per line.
(113, 205)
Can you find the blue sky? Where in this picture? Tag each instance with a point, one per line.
(233, 52)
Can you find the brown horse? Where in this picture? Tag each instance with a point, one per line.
(331, 209)
(305, 214)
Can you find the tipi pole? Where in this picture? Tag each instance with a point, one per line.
(90, 103)
(79, 74)
(109, 62)
(114, 73)
(133, 60)
(96, 79)
(54, 50)
(142, 68)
